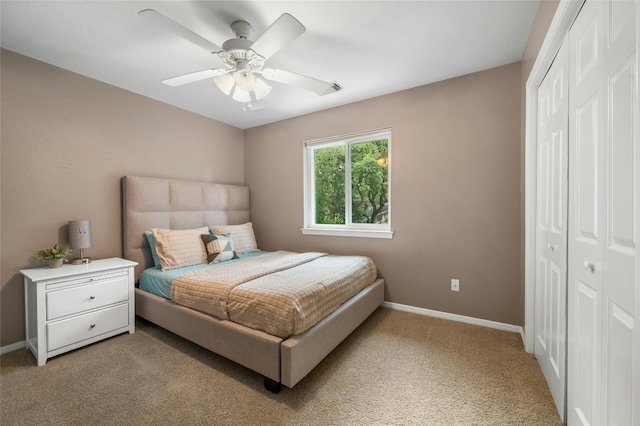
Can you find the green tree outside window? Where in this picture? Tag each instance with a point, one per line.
(369, 185)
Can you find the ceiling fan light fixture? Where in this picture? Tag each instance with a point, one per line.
(245, 80)
(262, 89)
(225, 83)
(244, 60)
(241, 95)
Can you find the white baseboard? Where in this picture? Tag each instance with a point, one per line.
(398, 306)
(13, 347)
(455, 317)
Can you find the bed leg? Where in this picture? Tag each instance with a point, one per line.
(272, 386)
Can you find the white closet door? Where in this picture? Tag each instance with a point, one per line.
(620, 217)
(551, 228)
(602, 214)
(585, 229)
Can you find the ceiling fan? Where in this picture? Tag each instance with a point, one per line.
(244, 60)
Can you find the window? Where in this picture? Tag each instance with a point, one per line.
(347, 189)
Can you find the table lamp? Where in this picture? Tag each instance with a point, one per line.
(80, 238)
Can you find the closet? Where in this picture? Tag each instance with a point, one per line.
(587, 295)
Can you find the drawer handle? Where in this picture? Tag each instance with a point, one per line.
(92, 326)
(91, 297)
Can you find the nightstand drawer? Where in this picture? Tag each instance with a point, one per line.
(77, 329)
(79, 299)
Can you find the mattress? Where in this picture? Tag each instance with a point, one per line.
(281, 293)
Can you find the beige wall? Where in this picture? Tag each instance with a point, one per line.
(455, 182)
(457, 177)
(66, 141)
(544, 16)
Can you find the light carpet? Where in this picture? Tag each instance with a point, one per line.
(398, 368)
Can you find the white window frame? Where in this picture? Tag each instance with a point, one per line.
(349, 229)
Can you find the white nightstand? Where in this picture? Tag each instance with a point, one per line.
(75, 305)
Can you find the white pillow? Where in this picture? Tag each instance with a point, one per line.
(243, 237)
(178, 248)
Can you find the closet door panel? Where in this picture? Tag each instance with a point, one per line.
(621, 165)
(587, 153)
(544, 198)
(621, 219)
(557, 322)
(551, 228)
(619, 366)
(587, 130)
(542, 291)
(583, 389)
(558, 183)
(544, 203)
(604, 216)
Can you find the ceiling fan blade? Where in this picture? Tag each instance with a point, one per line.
(318, 86)
(284, 30)
(179, 30)
(194, 76)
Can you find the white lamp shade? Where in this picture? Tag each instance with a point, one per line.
(240, 95)
(80, 234)
(243, 86)
(245, 80)
(225, 83)
(262, 89)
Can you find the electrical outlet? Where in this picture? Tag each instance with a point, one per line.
(455, 285)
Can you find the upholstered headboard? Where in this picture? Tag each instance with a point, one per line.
(174, 204)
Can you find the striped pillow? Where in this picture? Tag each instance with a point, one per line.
(178, 248)
(242, 235)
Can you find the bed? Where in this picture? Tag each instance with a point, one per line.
(181, 205)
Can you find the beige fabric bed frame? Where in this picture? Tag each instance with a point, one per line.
(173, 204)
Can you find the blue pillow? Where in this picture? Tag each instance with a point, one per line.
(154, 252)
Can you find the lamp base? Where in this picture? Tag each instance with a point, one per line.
(81, 261)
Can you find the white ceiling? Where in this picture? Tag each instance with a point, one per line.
(371, 48)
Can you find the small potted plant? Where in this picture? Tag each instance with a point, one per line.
(55, 256)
